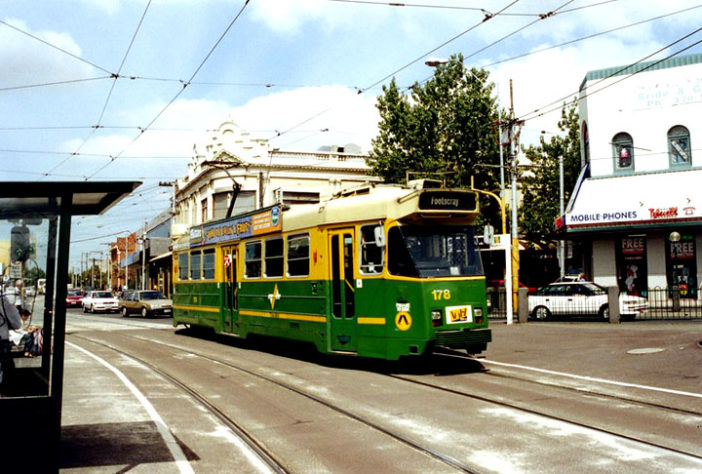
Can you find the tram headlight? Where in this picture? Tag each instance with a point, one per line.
(436, 317)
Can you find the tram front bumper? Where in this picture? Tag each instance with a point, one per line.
(473, 340)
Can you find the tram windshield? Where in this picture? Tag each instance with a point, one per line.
(433, 251)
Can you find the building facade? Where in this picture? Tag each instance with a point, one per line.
(635, 215)
(232, 158)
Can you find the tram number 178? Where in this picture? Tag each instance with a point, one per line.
(440, 295)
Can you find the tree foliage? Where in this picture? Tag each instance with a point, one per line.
(447, 125)
(540, 187)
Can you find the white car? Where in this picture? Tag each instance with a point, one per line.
(581, 299)
(100, 301)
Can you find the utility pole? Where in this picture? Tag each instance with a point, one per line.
(513, 151)
(561, 243)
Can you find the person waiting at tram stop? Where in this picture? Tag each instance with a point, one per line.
(9, 319)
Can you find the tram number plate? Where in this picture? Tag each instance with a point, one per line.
(459, 314)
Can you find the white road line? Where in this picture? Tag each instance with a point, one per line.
(177, 453)
(594, 379)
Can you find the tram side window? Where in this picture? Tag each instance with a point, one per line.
(195, 261)
(183, 270)
(208, 264)
(372, 256)
(274, 257)
(252, 260)
(299, 255)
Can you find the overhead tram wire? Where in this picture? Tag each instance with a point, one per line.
(363, 90)
(114, 76)
(542, 16)
(594, 35)
(451, 40)
(175, 97)
(55, 47)
(539, 112)
(57, 83)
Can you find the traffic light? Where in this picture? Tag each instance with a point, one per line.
(19, 244)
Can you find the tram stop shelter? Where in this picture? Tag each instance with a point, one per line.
(35, 230)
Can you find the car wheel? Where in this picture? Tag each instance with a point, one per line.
(604, 311)
(125, 313)
(542, 313)
(144, 312)
(85, 310)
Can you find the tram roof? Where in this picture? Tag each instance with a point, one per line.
(366, 203)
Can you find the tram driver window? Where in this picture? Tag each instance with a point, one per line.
(252, 260)
(183, 270)
(372, 256)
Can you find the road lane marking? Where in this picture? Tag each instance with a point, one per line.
(177, 453)
(595, 379)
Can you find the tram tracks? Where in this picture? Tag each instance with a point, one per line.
(265, 454)
(389, 428)
(523, 406)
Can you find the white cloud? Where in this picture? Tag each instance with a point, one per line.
(26, 60)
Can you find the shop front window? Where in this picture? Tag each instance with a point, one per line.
(623, 148)
(632, 270)
(681, 264)
(679, 147)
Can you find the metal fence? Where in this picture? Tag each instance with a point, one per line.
(662, 304)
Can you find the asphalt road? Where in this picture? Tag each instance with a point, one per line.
(547, 397)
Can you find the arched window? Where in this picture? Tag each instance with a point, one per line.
(679, 146)
(623, 149)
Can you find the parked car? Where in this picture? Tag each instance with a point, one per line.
(146, 303)
(100, 301)
(74, 297)
(581, 299)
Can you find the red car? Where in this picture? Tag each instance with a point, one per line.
(74, 297)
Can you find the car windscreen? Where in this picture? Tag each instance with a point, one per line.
(433, 251)
(102, 294)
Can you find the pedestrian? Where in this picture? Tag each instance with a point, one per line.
(9, 319)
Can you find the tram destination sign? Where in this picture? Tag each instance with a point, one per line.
(448, 201)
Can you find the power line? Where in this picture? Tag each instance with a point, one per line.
(115, 76)
(175, 97)
(56, 83)
(594, 35)
(538, 112)
(55, 47)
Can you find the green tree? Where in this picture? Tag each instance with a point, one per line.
(540, 186)
(447, 125)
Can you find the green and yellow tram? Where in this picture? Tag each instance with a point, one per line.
(380, 271)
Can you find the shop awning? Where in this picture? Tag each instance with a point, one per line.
(652, 200)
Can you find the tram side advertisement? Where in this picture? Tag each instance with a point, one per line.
(258, 223)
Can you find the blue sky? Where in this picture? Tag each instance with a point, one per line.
(282, 62)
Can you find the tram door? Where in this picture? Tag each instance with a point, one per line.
(230, 306)
(343, 320)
